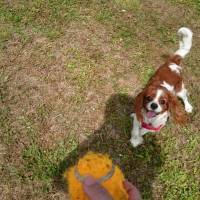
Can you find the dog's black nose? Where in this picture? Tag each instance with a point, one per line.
(154, 106)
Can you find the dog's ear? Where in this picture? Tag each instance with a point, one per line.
(138, 106)
(176, 109)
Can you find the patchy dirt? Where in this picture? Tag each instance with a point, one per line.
(43, 91)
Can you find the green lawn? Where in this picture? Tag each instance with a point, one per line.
(69, 72)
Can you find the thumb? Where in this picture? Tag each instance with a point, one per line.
(95, 190)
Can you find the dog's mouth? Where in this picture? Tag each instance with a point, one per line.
(151, 113)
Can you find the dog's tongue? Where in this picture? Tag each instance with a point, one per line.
(151, 114)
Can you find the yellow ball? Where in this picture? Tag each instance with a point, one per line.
(96, 165)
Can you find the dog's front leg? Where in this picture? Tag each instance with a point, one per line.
(136, 137)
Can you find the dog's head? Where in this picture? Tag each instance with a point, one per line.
(156, 100)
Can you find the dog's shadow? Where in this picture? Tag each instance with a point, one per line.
(140, 165)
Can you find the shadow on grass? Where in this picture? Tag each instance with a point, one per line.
(140, 165)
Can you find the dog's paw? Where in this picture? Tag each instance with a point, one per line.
(188, 108)
(136, 141)
(132, 115)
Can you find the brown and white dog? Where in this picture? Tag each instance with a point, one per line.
(159, 99)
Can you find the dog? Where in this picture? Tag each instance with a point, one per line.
(159, 99)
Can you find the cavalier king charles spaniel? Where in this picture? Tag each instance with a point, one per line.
(159, 99)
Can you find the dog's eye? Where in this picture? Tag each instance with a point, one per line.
(162, 101)
(148, 98)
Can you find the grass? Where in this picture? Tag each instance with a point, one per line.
(46, 17)
(124, 34)
(179, 181)
(104, 16)
(69, 73)
(194, 3)
(128, 4)
(166, 36)
(43, 164)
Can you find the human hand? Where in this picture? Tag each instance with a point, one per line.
(132, 191)
(95, 190)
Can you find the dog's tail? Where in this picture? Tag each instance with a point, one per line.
(185, 42)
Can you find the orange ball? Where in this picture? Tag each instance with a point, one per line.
(96, 165)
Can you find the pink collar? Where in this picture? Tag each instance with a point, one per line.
(150, 127)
